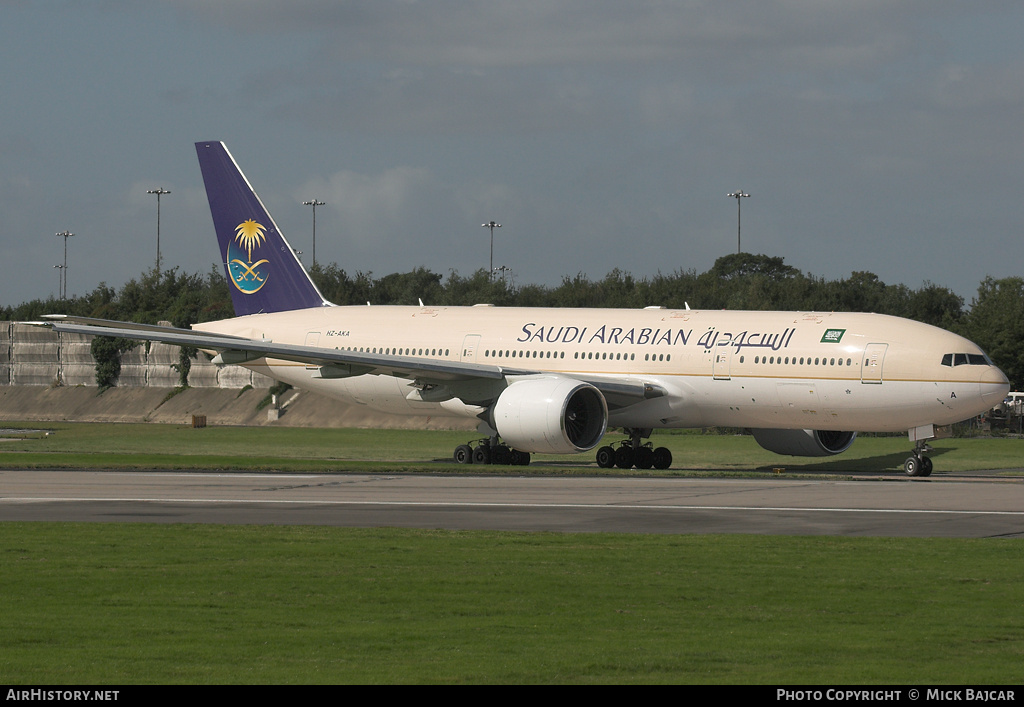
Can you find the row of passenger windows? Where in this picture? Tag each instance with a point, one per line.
(397, 351)
(965, 359)
(947, 360)
(801, 361)
(578, 355)
(950, 359)
(490, 353)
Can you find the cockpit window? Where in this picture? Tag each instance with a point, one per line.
(965, 359)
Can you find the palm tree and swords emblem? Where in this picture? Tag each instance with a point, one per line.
(247, 276)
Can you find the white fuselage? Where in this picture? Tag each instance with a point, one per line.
(784, 370)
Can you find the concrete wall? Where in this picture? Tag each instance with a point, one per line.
(37, 356)
(5, 353)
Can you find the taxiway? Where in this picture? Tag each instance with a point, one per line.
(879, 507)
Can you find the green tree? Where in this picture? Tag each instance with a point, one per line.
(479, 288)
(738, 265)
(996, 324)
(936, 305)
(106, 351)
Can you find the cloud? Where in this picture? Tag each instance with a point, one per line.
(401, 217)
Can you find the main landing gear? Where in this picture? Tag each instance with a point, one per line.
(490, 451)
(917, 464)
(632, 452)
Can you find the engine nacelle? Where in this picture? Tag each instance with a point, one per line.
(804, 443)
(551, 415)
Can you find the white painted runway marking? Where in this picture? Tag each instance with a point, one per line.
(472, 504)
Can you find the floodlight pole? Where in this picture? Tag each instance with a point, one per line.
(314, 203)
(159, 192)
(492, 225)
(738, 194)
(60, 280)
(64, 269)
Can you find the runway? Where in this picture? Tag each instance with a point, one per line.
(877, 507)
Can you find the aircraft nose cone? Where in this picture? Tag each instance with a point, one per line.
(994, 386)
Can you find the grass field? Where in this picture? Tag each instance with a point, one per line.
(118, 446)
(121, 604)
(136, 603)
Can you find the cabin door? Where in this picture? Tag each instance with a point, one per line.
(721, 360)
(469, 346)
(312, 339)
(871, 363)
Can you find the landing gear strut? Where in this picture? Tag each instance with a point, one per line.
(632, 452)
(917, 464)
(490, 451)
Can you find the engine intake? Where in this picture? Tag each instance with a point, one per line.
(551, 415)
(805, 443)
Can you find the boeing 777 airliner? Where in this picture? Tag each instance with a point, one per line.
(554, 380)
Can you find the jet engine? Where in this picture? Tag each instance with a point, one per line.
(550, 415)
(804, 443)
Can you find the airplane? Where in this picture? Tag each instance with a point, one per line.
(555, 380)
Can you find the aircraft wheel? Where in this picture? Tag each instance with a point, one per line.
(662, 458)
(482, 454)
(463, 454)
(518, 458)
(912, 466)
(624, 457)
(644, 458)
(606, 457)
(501, 455)
(926, 466)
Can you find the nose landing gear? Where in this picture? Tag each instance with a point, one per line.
(917, 464)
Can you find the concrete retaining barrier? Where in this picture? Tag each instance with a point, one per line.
(220, 406)
(31, 355)
(45, 376)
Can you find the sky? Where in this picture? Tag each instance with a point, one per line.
(871, 135)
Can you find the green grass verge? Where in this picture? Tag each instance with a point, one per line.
(149, 446)
(126, 604)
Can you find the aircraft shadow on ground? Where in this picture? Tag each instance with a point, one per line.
(881, 462)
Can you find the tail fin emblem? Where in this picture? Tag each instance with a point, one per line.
(246, 275)
(250, 234)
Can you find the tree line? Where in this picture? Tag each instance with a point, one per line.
(994, 319)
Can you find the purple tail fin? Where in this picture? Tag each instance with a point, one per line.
(264, 272)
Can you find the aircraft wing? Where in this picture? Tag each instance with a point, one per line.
(336, 363)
